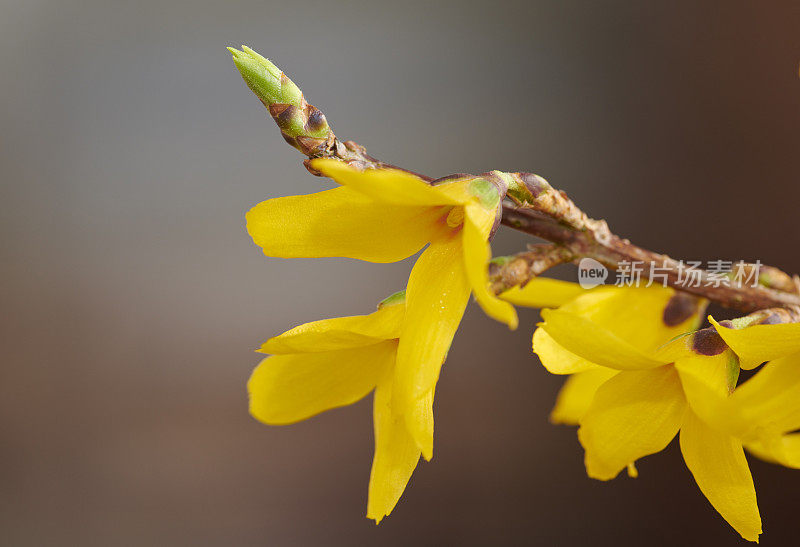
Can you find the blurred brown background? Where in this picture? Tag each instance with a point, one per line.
(132, 297)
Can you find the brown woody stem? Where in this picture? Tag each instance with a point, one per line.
(507, 272)
(615, 250)
(555, 218)
(533, 207)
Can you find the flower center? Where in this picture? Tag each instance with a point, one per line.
(455, 217)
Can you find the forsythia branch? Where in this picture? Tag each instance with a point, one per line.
(778, 290)
(533, 207)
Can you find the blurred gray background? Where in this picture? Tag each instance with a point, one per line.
(132, 297)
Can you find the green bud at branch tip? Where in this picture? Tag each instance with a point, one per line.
(264, 78)
(302, 125)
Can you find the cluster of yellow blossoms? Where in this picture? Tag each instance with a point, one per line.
(639, 369)
(641, 373)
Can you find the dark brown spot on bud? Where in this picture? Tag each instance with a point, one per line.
(708, 342)
(284, 119)
(276, 109)
(679, 308)
(534, 183)
(316, 120)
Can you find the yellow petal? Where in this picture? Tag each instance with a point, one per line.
(637, 314)
(339, 332)
(436, 296)
(555, 358)
(576, 395)
(396, 454)
(419, 422)
(759, 343)
(682, 346)
(457, 190)
(477, 224)
(705, 384)
(718, 464)
(784, 450)
(341, 222)
(542, 292)
(391, 186)
(594, 343)
(481, 219)
(632, 415)
(770, 400)
(288, 388)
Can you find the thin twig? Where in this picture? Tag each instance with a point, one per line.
(615, 250)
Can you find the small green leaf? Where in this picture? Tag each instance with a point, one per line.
(397, 298)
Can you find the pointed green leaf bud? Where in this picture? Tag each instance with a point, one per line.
(264, 78)
(302, 125)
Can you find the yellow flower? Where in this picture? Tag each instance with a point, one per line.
(336, 362)
(632, 391)
(385, 215)
(331, 363)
